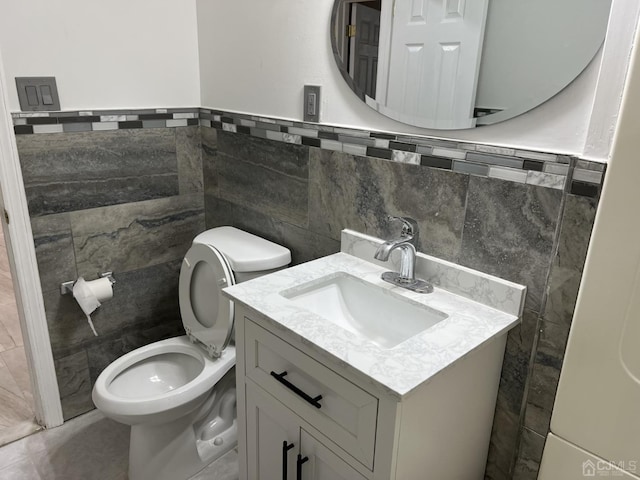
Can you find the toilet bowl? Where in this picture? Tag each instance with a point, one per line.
(179, 394)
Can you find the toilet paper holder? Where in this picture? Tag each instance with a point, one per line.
(67, 287)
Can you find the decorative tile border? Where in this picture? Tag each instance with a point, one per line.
(561, 172)
(86, 121)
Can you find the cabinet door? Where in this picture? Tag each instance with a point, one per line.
(272, 437)
(322, 463)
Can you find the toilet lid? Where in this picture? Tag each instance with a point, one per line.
(207, 315)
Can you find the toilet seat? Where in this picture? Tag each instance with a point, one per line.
(136, 406)
(206, 314)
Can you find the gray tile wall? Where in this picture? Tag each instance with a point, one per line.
(127, 201)
(303, 196)
(132, 200)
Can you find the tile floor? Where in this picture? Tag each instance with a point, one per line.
(89, 447)
(16, 403)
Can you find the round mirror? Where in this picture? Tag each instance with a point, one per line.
(453, 64)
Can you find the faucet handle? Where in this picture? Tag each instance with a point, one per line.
(409, 225)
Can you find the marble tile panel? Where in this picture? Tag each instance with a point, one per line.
(66, 172)
(515, 367)
(189, 153)
(54, 250)
(72, 373)
(543, 382)
(568, 263)
(504, 438)
(127, 237)
(529, 456)
(286, 159)
(291, 138)
(279, 189)
(509, 232)
(67, 324)
(359, 192)
(209, 139)
(548, 180)
(140, 296)
(405, 157)
(304, 244)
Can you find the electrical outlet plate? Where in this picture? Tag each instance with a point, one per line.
(38, 94)
(311, 103)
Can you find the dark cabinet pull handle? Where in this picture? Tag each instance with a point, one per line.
(299, 466)
(285, 453)
(312, 400)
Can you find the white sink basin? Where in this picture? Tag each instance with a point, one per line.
(382, 316)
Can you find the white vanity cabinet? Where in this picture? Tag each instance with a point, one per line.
(340, 425)
(278, 447)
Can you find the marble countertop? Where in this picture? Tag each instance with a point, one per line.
(399, 370)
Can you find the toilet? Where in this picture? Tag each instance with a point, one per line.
(178, 394)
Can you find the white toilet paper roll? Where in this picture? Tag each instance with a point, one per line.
(89, 296)
(101, 288)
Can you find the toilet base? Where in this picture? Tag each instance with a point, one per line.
(181, 448)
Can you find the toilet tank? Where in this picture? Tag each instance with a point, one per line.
(248, 255)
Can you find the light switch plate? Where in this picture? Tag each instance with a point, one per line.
(311, 103)
(37, 94)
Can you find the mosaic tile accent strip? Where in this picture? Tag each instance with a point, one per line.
(559, 172)
(86, 121)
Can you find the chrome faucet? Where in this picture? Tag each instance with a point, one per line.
(406, 242)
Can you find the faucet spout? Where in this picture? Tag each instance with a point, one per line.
(407, 259)
(405, 243)
(384, 250)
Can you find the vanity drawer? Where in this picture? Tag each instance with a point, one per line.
(345, 413)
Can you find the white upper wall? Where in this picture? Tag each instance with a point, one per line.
(115, 54)
(256, 56)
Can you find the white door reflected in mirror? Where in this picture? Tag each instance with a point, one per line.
(453, 64)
